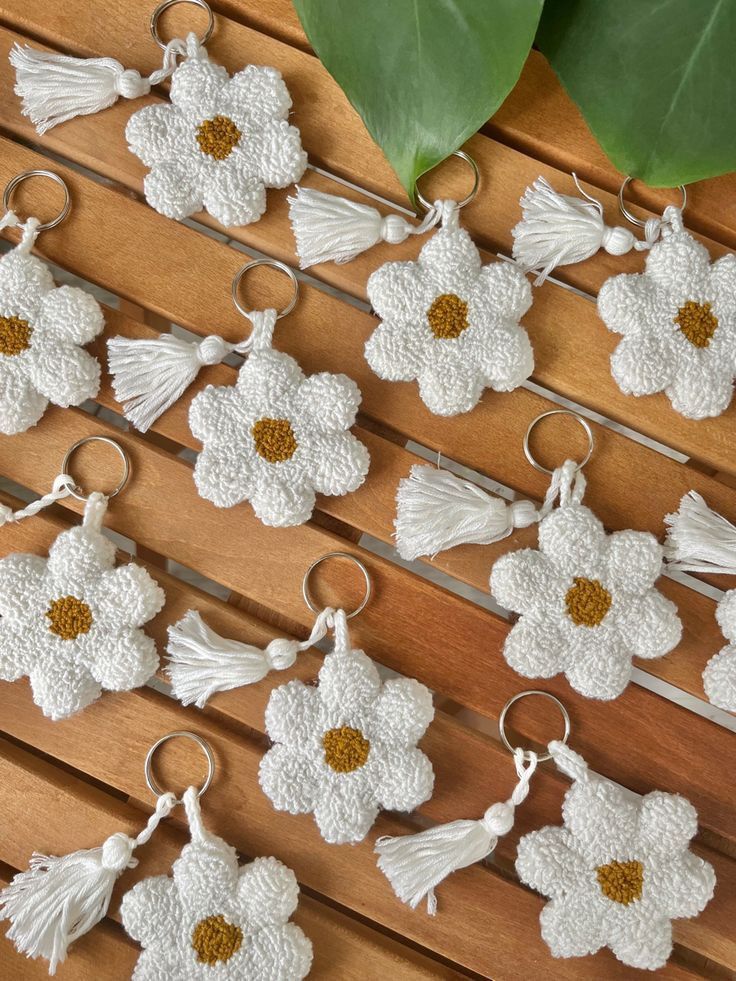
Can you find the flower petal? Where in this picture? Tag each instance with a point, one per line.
(399, 292)
(701, 388)
(72, 315)
(218, 415)
(160, 964)
(680, 886)
(326, 403)
(535, 648)
(546, 860)
(206, 870)
(63, 373)
(573, 926)
(396, 351)
(258, 92)
(62, 685)
(630, 304)
(267, 383)
(726, 615)
(525, 581)
(719, 679)
(123, 660)
(21, 576)
(502, 287)
(349, 683)
(634, 561)
(126, 597)
(151, 911)
(649, 624)
(680, 265)
(723, 288)
(224, 474)
(603, 820)
(268, 893)
(232, 195)
(401, 713)
(290, 779)
(292, 713)
(643, 364)
(573, 539)
(24, 278)
(451, 261)
(667, 822)
(282, 953)
(197, 84)
(79, 556)
(505, 357)
(273, 153)
(173, 188)
(336, 464)
(403, 778)
(598, 663)
(343, 815)
(641, 938)
(451, 386)
(281, 503)
(156, 134)
(16, 654)
(21, 405)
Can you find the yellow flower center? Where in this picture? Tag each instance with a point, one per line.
(587, 602)
(215, 940)
(69, 617)
(448, 316)
(15, 336)
(697, 322)
(346, 749)
(621, 881)
(274, 439)
(218, 136)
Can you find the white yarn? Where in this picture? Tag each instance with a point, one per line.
(201, 662)
(148, 376)
(559, 230)
(416, 864)
(698, 539)
(437, 510)
(719, 676)
(58, 900)
(55, 88)
(62, 487)
(328, 228)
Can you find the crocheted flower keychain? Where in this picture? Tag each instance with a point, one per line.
(616, 873)
(677, 317)
(275, 438)
(448, 322)
(219, 143)
(71, 623)
(42, 326)
(342, 750)
(586, 599)
(700, 540)
(211, 918)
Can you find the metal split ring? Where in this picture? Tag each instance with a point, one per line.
(19, 178)
(165, 4)
(541, 757)
(76, 490)
(640, 223)
(274, 264)
(558, 412)
(427, 205)
(308, 599)
(153, 786)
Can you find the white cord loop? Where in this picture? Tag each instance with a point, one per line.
(61, 488)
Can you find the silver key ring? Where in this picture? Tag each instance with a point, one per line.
(76, 490)
(153, 786)
(427, 205)
(19, 178)
(153, 23)
(558, 412)
(337, 555)
(541, 757)
(274, 264)
(640, 223)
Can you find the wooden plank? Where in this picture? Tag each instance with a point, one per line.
(557, 347)
(83, 817)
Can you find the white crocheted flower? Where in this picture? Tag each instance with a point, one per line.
(678, 319)
(276, 437)
(618, 870)
(586, 602)
(719, 677)
(347, 748)
(216, 921)
(71, 622)
(41, 328)
(220, 143)
(450, 323)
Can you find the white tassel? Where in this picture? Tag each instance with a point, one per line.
(698, 539)
(559, 230)
(437, 510)
(55, 88)
(201, 662)
(328, 228)
(416, 864)
(58, 900)
(149, 376)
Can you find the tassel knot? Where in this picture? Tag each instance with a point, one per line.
(130, 84)
(394, 229)
(281, 653)
(117, 853)
(617, 240)
(499, 819)
(213, 350)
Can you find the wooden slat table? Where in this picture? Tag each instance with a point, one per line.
(67, 785)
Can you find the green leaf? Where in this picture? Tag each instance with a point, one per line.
(655, 80)
(423, 74)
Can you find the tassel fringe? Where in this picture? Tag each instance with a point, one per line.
(699, 539)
